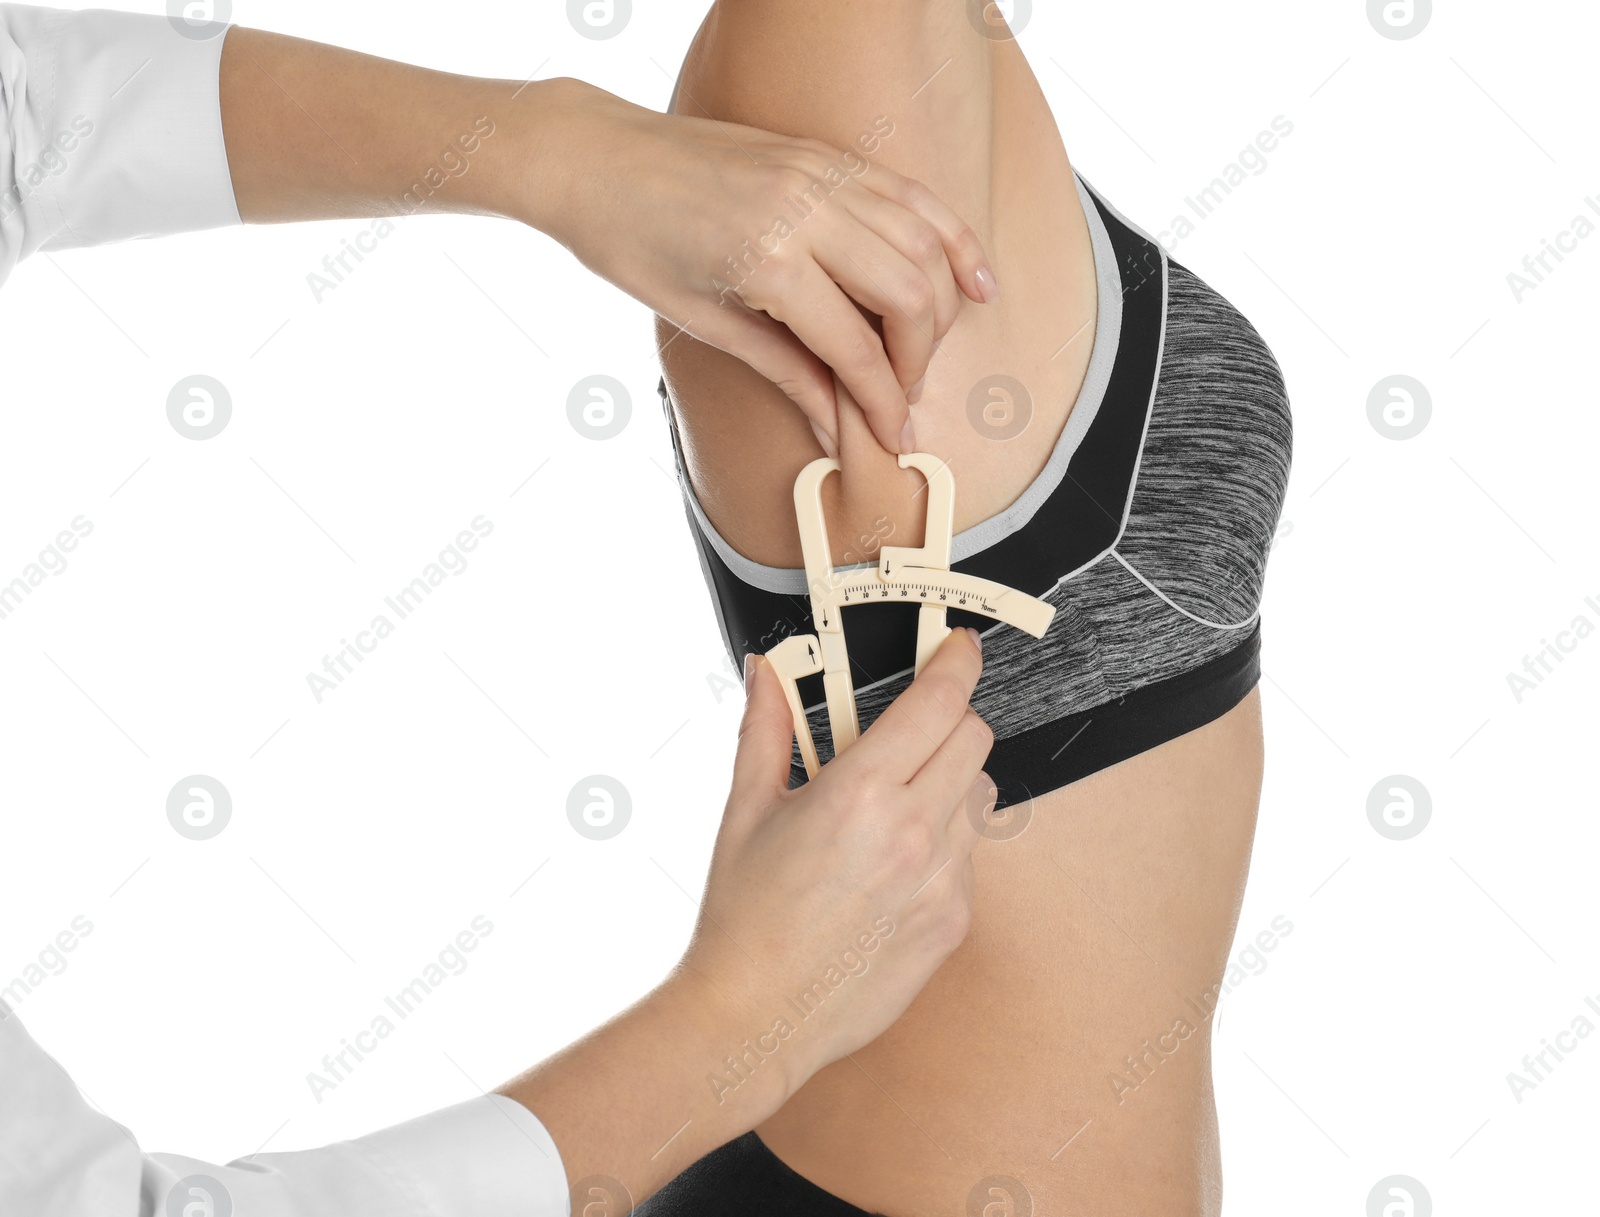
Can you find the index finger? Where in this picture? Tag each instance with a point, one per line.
(962, 247)
(919, 721)
(821, 315)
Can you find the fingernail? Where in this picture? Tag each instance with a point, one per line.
(977, 639)
(914, 393)
(908, 438)
(749, 669)
(987, 287)
(824, 439)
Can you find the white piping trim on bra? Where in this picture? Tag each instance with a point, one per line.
(1175, 606)
(1144, 435)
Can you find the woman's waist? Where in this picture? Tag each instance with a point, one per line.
(913, 1130)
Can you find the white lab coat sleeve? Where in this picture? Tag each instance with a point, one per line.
(110, 128)
(59, 1157)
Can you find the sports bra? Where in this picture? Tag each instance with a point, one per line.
(1148, 530)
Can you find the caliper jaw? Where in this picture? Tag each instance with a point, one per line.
(934, 552)
(791, 659)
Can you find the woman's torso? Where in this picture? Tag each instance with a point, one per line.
(1066, 1044)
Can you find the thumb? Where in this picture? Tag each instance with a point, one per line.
(766, 733)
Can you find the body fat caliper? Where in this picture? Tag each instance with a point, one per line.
(918, 575)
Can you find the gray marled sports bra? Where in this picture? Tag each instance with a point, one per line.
(1149, 530)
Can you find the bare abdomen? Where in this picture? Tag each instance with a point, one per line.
(1066, 1044)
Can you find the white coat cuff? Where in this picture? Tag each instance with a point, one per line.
(126, 133)
(487, 1157)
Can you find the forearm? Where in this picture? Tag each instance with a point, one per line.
(634, 1100)
(663, 207)
(319, 132)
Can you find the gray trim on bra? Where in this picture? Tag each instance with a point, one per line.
(1107, 335)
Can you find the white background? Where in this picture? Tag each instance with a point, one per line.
(369, 428)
